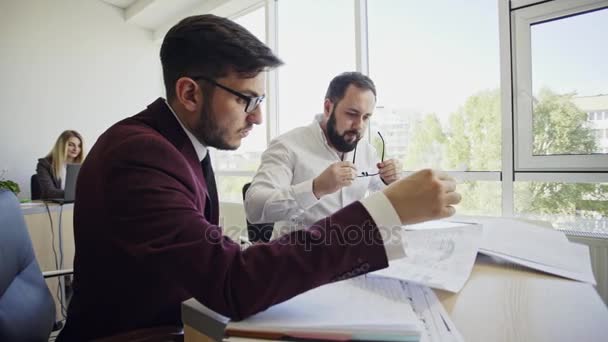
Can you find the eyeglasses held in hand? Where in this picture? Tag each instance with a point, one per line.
(365, 173)
(252, 101)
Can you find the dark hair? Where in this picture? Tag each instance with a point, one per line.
(210, 45)
(337, 86)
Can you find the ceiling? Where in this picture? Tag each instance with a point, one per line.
(159, 15)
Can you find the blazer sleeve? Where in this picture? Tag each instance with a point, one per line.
(156, 217)
(47, 184)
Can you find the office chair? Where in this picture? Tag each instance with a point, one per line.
(35, 187)
(27, 310)
(261, 232)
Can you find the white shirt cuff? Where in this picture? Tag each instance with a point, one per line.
(303, 194)
(381, 210)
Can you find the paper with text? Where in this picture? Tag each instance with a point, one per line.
(441, 258)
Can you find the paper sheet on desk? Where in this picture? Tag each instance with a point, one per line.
(579, 253)
(541, 248)
(440, 258)
(438, 324)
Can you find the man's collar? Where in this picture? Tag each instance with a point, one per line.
(199, 148)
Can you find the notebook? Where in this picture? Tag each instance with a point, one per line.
(363, 309)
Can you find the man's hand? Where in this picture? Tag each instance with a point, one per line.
(334, 178)
(424, 195)
(389, 171)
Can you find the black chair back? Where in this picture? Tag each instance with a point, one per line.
(35, 187)
(261, 232)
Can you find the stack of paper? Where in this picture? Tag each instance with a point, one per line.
(439, 254)
(438, 325)
(364, 308)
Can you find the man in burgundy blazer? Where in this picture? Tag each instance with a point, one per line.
(146, 217)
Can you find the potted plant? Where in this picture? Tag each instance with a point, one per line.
(9, 184)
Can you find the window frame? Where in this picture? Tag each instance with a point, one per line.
(521, 20)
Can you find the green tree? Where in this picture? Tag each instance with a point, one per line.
(472, 142)
(427, 144)
(474, 134)
(559, 127)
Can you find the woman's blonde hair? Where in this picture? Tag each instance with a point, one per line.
(58, 154)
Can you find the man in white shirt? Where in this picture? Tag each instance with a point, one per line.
(313, 171)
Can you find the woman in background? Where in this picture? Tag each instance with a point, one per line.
(52, 168)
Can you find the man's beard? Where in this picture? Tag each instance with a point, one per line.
(209, 133)
(338, 141)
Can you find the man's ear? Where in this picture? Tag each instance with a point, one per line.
(327, 108)
(187, 94)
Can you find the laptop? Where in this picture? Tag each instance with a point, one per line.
(69, 190)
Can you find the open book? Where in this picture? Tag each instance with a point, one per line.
(363, 308)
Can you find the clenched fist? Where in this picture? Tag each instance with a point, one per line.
(424, 195)
(334, 178)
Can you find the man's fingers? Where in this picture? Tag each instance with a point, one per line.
(387, 169)
(347, 173)
(442, 175)
(448, 211)
(449, 185)
(453, 198)
(347, 164)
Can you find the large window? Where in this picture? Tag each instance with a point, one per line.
(572, 206)
(230, 166)
(316, 40)
(569, 81)
(510, 97)
(438, 88)
(560, 93)
(561, 86)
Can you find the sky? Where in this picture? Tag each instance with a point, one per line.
(577, 47)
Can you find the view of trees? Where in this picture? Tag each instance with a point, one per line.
(472, 142)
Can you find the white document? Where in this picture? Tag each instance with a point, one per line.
(438, 324)
(526, 241)
(541, 248)
(363, 307)
(441, 258)
(578, 251)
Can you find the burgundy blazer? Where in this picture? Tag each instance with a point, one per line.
(143, 245)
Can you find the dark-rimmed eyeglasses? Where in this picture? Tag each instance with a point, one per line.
(252, 101)
(365, 173)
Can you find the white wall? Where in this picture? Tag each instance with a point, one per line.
(67, 64)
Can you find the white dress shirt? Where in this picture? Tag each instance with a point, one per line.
(64, 171)
(281, 190)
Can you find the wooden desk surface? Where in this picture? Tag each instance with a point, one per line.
(507, 303)
(504, 303)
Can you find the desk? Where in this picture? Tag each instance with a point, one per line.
(39, 228)
(505, 303)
